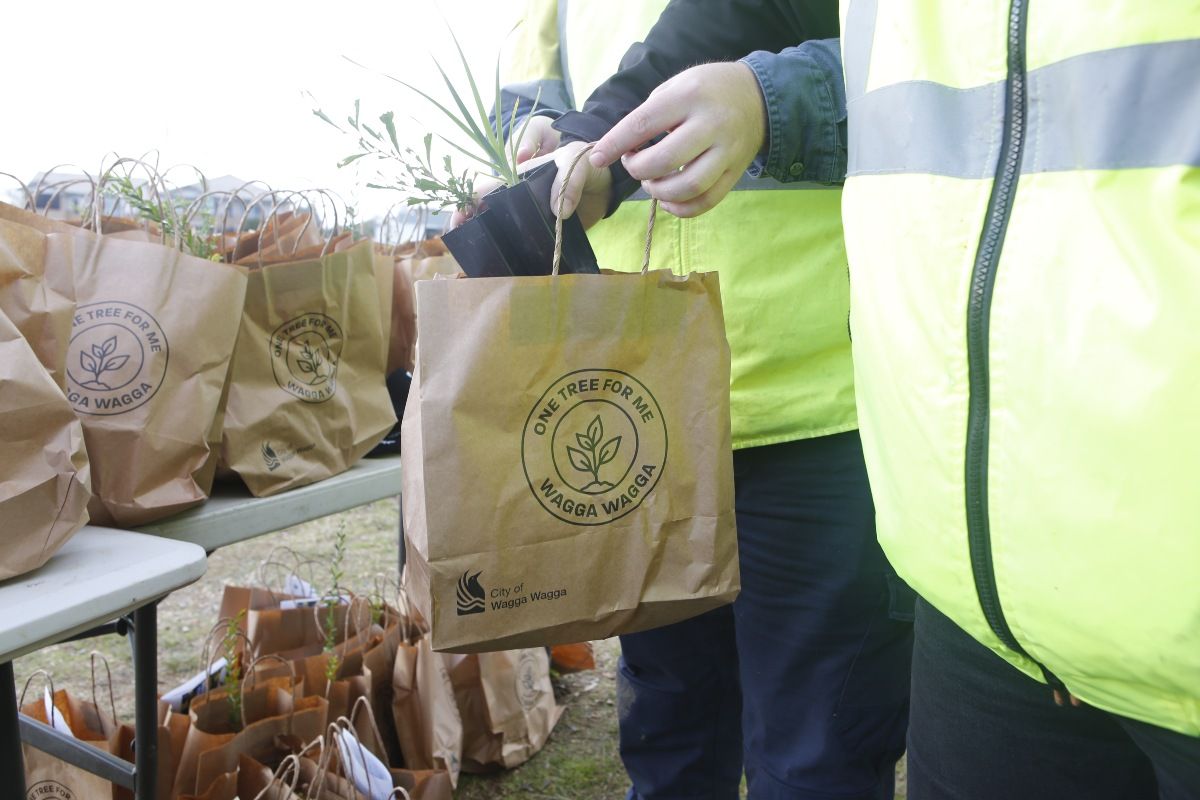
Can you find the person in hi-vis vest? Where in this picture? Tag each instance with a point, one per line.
(1022, 217)
(803, 682)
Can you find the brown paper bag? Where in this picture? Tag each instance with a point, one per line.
(37, 293)
(507, 706)
(291, 633)
(47, 775)
(150, 351)
(277, 721)
(250, 781)
(159, 323)
(558, 424)
(308, 397)
(424, 784)
(424, 710)
(45, 479)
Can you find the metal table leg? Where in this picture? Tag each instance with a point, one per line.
(145, 715)
(12, 765)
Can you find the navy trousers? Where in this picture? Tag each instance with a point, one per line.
(982, 730)
(803, 682)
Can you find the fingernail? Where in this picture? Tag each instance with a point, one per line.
(597, 158)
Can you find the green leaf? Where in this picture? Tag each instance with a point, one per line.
(389, 125)
(579, 459)
(609, 451)
(351, 159)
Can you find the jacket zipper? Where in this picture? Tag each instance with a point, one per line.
(983, 283)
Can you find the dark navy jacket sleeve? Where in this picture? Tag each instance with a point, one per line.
(805, 98)
(691, 32)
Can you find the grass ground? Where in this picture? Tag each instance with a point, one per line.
(579, 763)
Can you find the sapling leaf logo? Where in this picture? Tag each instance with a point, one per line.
(529, 687)
(116, 359)
(305, 352)
(594, 446)
(471, 595)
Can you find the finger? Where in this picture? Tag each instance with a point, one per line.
(458, 218)
(544, 141)
(706, 201)
(680, 186)
(660, 113)
(680, 147)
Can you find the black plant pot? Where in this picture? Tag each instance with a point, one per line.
(514, 233)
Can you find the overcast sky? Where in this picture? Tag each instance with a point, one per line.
(219, 83)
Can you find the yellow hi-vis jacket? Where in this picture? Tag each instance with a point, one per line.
(1022, 218)
(778, 247)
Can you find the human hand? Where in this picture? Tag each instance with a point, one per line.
(715, 120)
(537, 137)
(588, 190)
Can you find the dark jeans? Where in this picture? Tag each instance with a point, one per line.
(803, 681)
(981, 730)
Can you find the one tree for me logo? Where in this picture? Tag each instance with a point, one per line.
(305, 352)
(594, 446)
(116, 360)
(49, 790)
(471, 595)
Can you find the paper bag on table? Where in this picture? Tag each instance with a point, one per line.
(567, 465)
(37, 293)
(45, 479)
(308, 397)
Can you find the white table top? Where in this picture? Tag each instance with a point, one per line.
(232, 515)
(97, 576)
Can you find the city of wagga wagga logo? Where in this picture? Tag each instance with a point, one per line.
(116, 360)
(594, 446)
(304, 356)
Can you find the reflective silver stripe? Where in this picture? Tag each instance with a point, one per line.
(748, 184)
(857, 41)
(562, 52)
(1124, 108)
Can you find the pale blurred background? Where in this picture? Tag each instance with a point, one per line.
(221, 84)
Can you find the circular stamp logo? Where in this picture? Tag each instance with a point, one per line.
(304, 356)
(49, 790)
(116, 360)
(594, 446)
(528, 686)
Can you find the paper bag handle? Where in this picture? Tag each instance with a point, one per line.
(29, 200)
(112, 705)
(558, 222)
(290, 762)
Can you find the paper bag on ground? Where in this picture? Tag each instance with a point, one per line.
(47, 775)
(424, 711)
(567, 464)
(507, 706)
(308, 397)
(45, 481)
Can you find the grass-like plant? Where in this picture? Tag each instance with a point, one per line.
(332, 598)
(230, 639)
(421, 179)
(169, 214)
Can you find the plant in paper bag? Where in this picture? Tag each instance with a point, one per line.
(512, 232)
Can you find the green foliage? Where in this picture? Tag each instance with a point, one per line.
(169, 214)
(332, 598)
(230, 639)
(445, 186)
